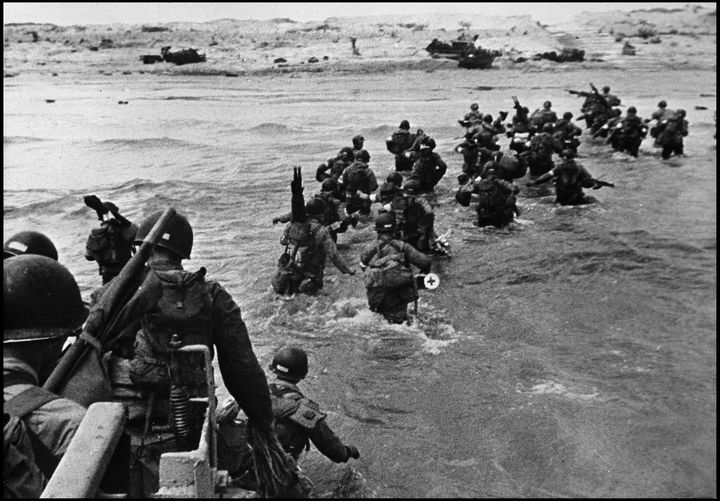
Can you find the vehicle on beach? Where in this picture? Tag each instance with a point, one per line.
(466, 52)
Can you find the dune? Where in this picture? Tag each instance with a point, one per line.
(664, 38)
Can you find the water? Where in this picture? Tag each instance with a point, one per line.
(573, 355)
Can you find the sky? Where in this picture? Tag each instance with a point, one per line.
(159, 12)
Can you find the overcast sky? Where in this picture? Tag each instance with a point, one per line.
(138, 13)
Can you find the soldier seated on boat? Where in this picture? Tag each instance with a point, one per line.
(42, 306)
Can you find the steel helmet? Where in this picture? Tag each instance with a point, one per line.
(681, 113)
(567, 154)
(567, 115)
(395, 178)
(385, 222)
(662, 104)
(329, 185)
(358, 140)
(405, 125)
(29, 242)
(315, 207)
(290, 362)
(632, 109)
(411, 187)
(474, 106)
(177, 235)
(41, 299)
(547, 104)
(427, 142)
(606, 89)
(346, 152)
(363, 156)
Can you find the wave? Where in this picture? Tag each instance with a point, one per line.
(152, 143)
(269, 127)
(23, 139)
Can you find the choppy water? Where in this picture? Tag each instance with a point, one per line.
(572, 356)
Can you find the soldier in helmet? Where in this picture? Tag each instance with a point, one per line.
(389, 279)
(632, 130)
(359, 182)
(358, 144)
(543, 115)
(400, 141)
(542, 147)
(428, 168)
(335, 166)
(29, 242)
(496, 200)
(570, 178)
(298, 421)
(308, 243)
(42, 307)
(473, 117)
(566, 134)
(414, 218)
(111, 244)
(176, 307)
(672, 131)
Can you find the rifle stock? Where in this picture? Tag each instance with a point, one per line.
(118, 293)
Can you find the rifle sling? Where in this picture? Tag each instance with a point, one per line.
(91, 340)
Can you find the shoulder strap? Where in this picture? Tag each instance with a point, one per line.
(24, 403)
(20, 406)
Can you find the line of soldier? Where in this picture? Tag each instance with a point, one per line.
(487, 177)
(43, 307)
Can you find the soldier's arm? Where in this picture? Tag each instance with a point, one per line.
(241, 372)
(285, 218)
(332, 252)
(417, 258)
(328, 443)
(440, 162)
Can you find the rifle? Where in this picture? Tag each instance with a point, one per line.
(101, 209)
(100, 325)
(599, 184)
(580, 93)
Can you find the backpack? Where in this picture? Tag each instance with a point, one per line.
(21, 476)
(330, 215)
(107, 245)
(184, 308)
(356, 178)
(491, 200)
(388, 267)
(293, 261)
